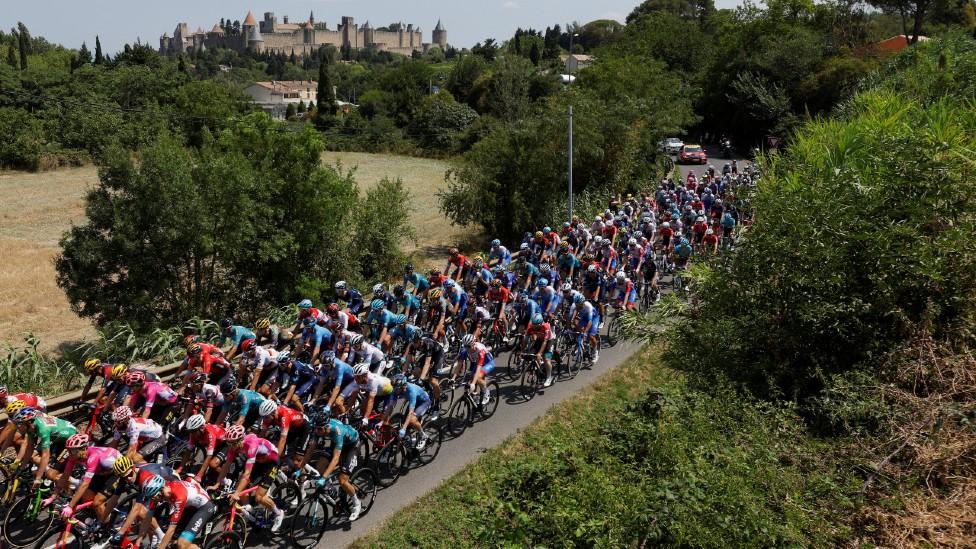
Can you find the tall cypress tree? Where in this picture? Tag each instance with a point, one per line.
(12, 56)
(23, 44)
(325, 100)
(99, 58)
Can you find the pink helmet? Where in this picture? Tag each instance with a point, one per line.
(79, 440)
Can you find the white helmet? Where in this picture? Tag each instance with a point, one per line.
(194, 422)
(567, 287)
(267, 408)
(632, 242)
(467, 340)
(666, 225)
(378, 288)
(621, 276)
(361, 369)
(709, 231)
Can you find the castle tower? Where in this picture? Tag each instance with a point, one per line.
(311, 18)
(368, 38)
(440, 36)
(255, 42)
(308, 31)
(248, 23)
(349, 32)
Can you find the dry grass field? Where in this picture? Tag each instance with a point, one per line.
(38, 208)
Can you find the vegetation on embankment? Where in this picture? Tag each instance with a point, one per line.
(640, 458)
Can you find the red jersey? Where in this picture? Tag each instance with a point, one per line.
(499, 294)
(183, 494)
(458, 261)
(208, 437)
(540, 331)
(437, 281)
(286, 418)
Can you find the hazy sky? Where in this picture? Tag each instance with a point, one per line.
(69, 22)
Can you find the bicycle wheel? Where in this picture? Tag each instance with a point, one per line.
(516, 365)
(27, 521)
(309, 523)
(390, 463)
(365, 481)
(219, 527)
(613, 331)
(530, 382)
(225, 540)
(487, 410)
(287, 497)
(433, 445)
(459, 417)
(447, 395)
(57, 539)
(572, 366)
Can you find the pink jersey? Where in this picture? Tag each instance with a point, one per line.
(152, 391)
(99, 462)
(256, 449)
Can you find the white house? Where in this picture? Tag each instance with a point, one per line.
(578, 61)
(275, 96)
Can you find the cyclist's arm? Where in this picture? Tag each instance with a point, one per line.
(42, 466)
(88, 386)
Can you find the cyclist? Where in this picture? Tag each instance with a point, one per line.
(138, 478)
(567, 261)
(524, 309)
(248, 403)
(211, 438)
(588, 323)
(204, 395)
(44, 434)
(418, 402)
(457, 300)
(98, 482)
(436, 313)
(498, 255)
(406, 333)
(352, 297)
(261, 464)
(272, 335)
(381, 321)
(482, 275)
(29, 399)
(498, 299)
(96, 369)
(682, 252)
(345, 446)
(375, 385)
(710, 242)
(240, 338)
(337, 374)
(594, 285)
(410, 304)
(302, 378)
(547, 298)
(478, 316)
(209, 359)
(315, 339)
(293, 426)
(339, 320)
(183, 494)
(265, 372)
(430, 361)
(460, 264)
(157, 398)
(139, 432)
(362, 351)
(625, 294)
(418, 281)
(481, 361)
(543, 342)
(306, 310)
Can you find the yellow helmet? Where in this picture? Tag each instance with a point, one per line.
(263, 324)
(92, 364)
(119, 371)
(14, 407)
(538, 234)
(434, 294)
(123, 466)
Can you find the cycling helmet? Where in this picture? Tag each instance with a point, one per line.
(14, 407)
(523, 298)
(621, 276)
(495, 282)
(76, 441)
(566, 224)
(567, 287)
(709, 231)
(496, 243)
(361, 369)
(408, 268)
(341, 285)
(591, 269)
(449, 283)
(524, 246)
(119, 371)
(357, 341)
(538, 234)
(267, 408)
(327, 357)
(479, 263)
(378, 288)
(194, 349)
(453, 252)
(195, 422)
(332, 309)
(92, 364)
(122, 414)
(228, 386)
(135, 378)
(3, 391)
(542, 282)
(436, 293)
(122, 466)
(226, 323)
(308, 321)
(153, 487)
(578, 299)
(400, 319)
(377, 305)
(399, 381)
(234, 434)
(537, 319)
(632, 242)
(263, 324)
(545, 267)
(399, 290)
(24, 415)
(467, 340)
(190, 340)
(198, 378)
(547, 230)
(666, 225)
(247, 345)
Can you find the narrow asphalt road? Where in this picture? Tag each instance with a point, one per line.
(511, 417)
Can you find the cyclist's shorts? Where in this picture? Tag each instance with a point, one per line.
(107, 485)
(487, 368)
(200, 518)
(419, 411)
(263, 473)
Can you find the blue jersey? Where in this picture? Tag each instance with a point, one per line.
(410, 301)
(317, 336)
(383, 318)
(419, 282)
(301, 371)
(485, 276)
(501, 254)
(341, 434)
(414, 395)
(340, 373)
(354, 300)
(237, 334)
(528, 308)
(406, 332)
(246, 399)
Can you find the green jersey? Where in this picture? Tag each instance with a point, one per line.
(48, 427)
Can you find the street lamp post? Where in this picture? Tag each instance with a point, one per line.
(570, 219)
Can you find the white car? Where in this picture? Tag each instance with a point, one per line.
(672, 145)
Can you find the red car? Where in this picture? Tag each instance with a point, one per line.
(692, 154)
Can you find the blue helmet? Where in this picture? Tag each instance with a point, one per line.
(578, 298)
(308, 321)
(377, 304)
(400, 319)
(24, 415)
(399, 381)
(153, 486)
(496, 243)
(542, 282)
(537, 319)
(328, 356)
(449, 283)
(305, 304)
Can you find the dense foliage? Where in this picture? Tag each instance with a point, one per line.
(235, 226)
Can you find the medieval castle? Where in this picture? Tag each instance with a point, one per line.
(301, 38)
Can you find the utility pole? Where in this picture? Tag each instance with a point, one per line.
(570, 219)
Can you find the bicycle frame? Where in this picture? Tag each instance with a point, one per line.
(68, 524)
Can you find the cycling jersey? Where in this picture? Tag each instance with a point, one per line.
(247, 399)
(369, 353)
(286, 418)
(411, 302)
(207, 437)
(568, 261)
(255, 449)
(262, 358)
(316, 336)
(147, 471)
(527, 309)
(382, 318)
(98, 462)
(30, 399)
(45, 428)
(406, 332)
(419, 282)
(341, 434)
(151, 392)
(311, 312)
(626, 293)
(183, 494)
(458, 298)
(417, 399)
(353, 299)
(478, 356)
(139, 430)
(500, 294)
(587, 314)
(500, 255)
(210, 395)
(340, 373)
(236, 334)
(540, 331)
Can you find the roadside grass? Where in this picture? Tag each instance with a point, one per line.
(640, 458)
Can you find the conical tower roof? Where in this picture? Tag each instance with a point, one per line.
(249, 20)
(439, 27)
(216, 28)
(367, 25)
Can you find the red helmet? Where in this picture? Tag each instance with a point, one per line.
(135, 377)
(246, 345)
(332, 309)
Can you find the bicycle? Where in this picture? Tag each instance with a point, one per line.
(468, 409)
(27, 519)
(311, 519)
(77, 534)
(533, 375)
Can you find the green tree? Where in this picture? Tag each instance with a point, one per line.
(84, 56)
(688, 9)
(290, 111)
(487, 50)
(440, 122)
(301, 107)
(508, 96)
(23, 44)
(382, 225)
(12, 57)
(534, 54)
(99, 57)
(325, 101)
(466, 71)
(912, 14)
